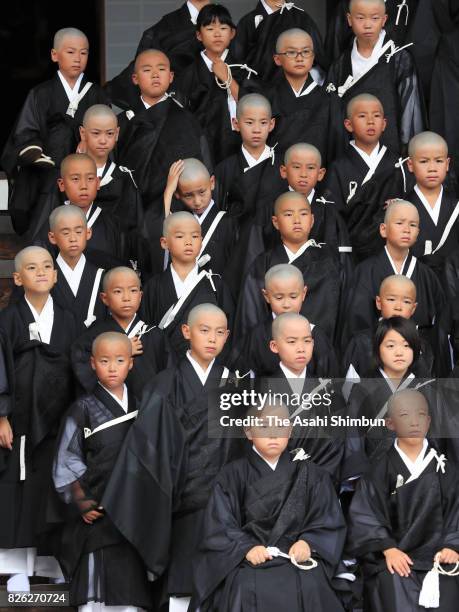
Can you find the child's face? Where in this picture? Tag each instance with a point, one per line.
(123, 295)
(216, 37)
(402, 228)
(294, 220)
(294, 345)
(396, 300)
(207, 336)
(302, 172)
(271, 436)
(80, 182)
(367, 122)
(296, 66)
(196, 194)
(395, 353)
(367, 20)
(37, 274)
(153, 75)
(254, 125)
(72, 56)
(409, 418)
(285, 295)
(184, 241)
(430, 165)
(70, 235)
(100, 136)
(111, 363)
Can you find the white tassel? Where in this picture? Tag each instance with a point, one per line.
(429, 597)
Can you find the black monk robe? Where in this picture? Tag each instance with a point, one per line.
(419, 517)
(253, 505)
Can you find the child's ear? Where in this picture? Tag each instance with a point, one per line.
(410, 165)
(349, 22)
(305, 291)
(186, 331)
(272, 124)
(383, 230)
(265, 295)
(385, 19)
(273, 347)
(88, 233)
(93, 363)
(51, 238)
(17, 279)
(322, 173)
(163, 242)
(103, 298)
(55, 276)
(82, 134)
(448, 161)
(60, 184)
(212, 182)
(275, 221)
(390, 424)
(235, 124)
(233, 33)
(248, 433)
(283, 171)
(198, 35)
(54, 56)
(415, 305)
(277, 60)
(384, 125)
(171, 77)
(98, 182)
(312, 224)
(134, 78)
(131, 363)
(378, 302)
(117, 134)
(348, 125)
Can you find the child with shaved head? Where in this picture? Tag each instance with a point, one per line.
(102, 567)
(39, 334)
(400, 231)
(366, 175)
(185, 391)
(186, 282)
(47, 127)
(437, 205)
(293, 220)
(121, 294)
(284, 291)
(374, 64)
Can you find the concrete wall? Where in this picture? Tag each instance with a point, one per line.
(125, 20)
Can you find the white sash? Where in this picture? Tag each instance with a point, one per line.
(73, 106)
(302, 249)
(126, 417)
(374, 165)
(211, 230)
(140, 329)
(446, 232)
(308, 90)
(92, 302)
(94, 216)
(432, 454)
(22, 465)
(224, 378)
(107, 178)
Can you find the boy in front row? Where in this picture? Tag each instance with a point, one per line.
(269, 499)
(104, 570)
(404, 513)
(38, 338)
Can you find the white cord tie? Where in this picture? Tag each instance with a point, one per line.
(275, 552)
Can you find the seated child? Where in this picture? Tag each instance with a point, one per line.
(121, 294)
(80, 183)
(438, 208)
(284, 291)
(175, 35)
(321, 271)
(38, 335)
(78, 280)
(102, 567)
(404, 513)
(374, 64)
(189, 181)
(400, 231)
(47, 127)
(258, 31)
(156, 131)
(211, 84)
(366, 175)
(169, 296)
(266, 499)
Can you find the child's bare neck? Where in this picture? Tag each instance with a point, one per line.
(70, 80)
(395, 377)
(366, 47)
(183, 269)
(255, 152)
(38, 300)
(275, 5)
(118, 391)
(100, 161)
(367, 148)
(123, 322)
(431, 195)
(199, 3)
(204, 363)
(412, 449)
(294, 247)
(294, 370)
(398, 255)
(297, 82)
(152, 101)
(71, 260)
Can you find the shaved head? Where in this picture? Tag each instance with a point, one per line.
(286, 318)
(380, 3)
(427, 139)
(98, 111)
(396, 205)
(405, 399)
(290, 196)
(397, 280)
(253, 101)
(302, 148)
(125, 271)
(60, 35)
(28, 252)
(76, 158)
(204, 310)
(178, 217)
(193, 169)
(142, 58)
(362, 98)
(283, 272)
(66, 212)
(112, 338)
(295, 34)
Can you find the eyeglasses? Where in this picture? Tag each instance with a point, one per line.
(294, 54)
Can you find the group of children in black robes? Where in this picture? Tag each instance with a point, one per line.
(264, 213)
